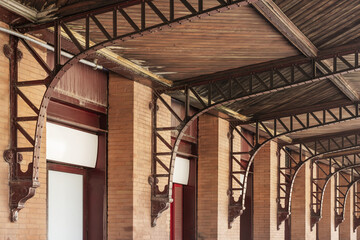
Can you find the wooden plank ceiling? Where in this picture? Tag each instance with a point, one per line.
(236, 38)
(228, 40)
(327, 24)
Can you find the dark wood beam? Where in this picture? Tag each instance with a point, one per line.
(290, 31)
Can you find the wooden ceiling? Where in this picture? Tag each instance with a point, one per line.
(327, 23)
(61, 8)
(237, 38)
(232, 39)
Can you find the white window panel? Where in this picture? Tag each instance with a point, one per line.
(181, 171)
(65, 206)
(71, 146)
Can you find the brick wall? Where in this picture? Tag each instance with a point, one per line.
(120, 156)
(300, 211)
(346, 227)
(129, 160)
(213, 180)
(326, 224)
(32, 219)
(265, 194)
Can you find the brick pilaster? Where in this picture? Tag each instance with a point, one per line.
(265, 194)
(326, 225)
(129, 163)
(300, 209)
(346, 227)
(213, 180)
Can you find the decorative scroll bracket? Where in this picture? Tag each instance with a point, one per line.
(235, 210)
(282, 215)
(339, 218)
(22, 185)
(158, 204)
(356, 222)
(315, 218)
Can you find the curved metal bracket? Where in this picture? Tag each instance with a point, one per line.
(339, 218)
(319, 185)
(275, 128)
(314, 218)
(22, 184)
(356, 222)
(84, 48)
(159, 205)
(235, 210)
(341, 196)
(315, 148)
(237, 88)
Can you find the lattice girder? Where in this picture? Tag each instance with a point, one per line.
(282, 126)
(322, 172)
(305, 151)
(229, 89)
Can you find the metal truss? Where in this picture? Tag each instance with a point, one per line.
(344, 182)
(322, 171)
(204, 95)
(273, 129)
(305, 151)
(224, 90)
(23, 184)
(173, 15)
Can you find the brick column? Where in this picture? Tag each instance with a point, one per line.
(265, 194)
(326, 225)
(346, 227)
(300, 208)
(129, 163)
(213, 180)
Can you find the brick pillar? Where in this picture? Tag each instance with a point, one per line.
(265, 194)
(129, 163)
(326, 225)
(300, 208)
(346, 227)
(213, 180)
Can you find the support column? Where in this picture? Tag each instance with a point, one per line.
(213, 180)
(346, 227)
(32, 222)
(326, 225)
(129, 163)
(265, 194)
(300, 208)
